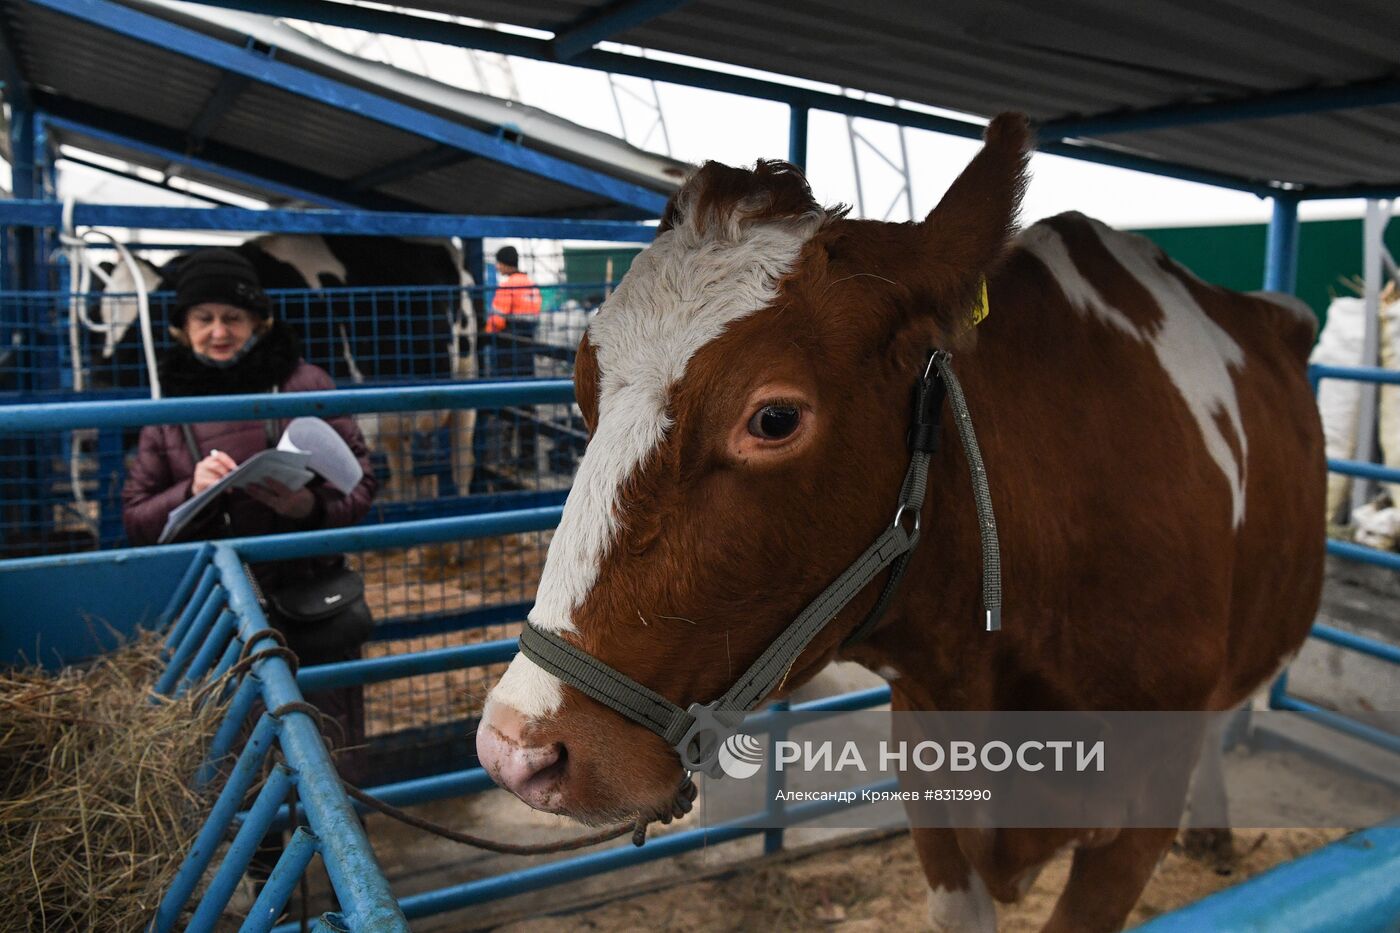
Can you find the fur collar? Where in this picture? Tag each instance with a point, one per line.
(271, 360)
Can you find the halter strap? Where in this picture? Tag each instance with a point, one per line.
(697, 732)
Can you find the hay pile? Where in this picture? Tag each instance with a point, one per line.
(96, 807)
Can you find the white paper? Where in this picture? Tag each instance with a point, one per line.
(331, 458)
(309, 447)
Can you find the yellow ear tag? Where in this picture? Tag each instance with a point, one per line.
(981, 310)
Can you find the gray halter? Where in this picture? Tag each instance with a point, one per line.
(697, 733)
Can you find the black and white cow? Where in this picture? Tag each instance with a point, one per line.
(408, 318)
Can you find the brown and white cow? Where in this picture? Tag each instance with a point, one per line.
(1152, 447)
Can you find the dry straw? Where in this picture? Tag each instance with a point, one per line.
(97, 805)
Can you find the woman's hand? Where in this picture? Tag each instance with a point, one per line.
(291, 503)
(210, 470)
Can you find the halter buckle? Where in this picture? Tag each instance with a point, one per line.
(700, 746)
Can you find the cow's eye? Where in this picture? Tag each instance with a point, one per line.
(774, 422)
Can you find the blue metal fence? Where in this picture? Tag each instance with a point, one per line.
(216, 587)
(1279, 697)
(446, 584)
(213, 619)
(60, 487)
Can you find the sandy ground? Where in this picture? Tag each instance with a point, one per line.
(878, 886)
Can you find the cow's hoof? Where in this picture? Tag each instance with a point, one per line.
(1214, 847)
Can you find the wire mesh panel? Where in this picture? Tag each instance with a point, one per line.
(425, 597)
(57, 343)
(433, 597)
(61, 491)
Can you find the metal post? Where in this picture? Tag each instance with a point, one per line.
(212, 649)
(185, 587)
(241, 851)
(281, 882)
(212, 833)
(239, 707)
(797, 136)
(1372, 230)
(1281, 261)
(25, 185)
(207, 578)
(193, 640)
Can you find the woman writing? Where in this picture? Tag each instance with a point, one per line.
(227, 343)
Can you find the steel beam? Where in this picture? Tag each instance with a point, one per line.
(68, 416)
(491, 40)
(38, 213)
(612, 20)
(1366, 192)
(132, 176)
(171, 37)
(220, 101)
(1263, 106)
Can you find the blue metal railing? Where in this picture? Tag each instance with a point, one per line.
(1279, 697)
(1346, 887)
(218, 588)
(212, 614)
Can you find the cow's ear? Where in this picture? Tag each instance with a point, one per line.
(965, 235)
(586, 382)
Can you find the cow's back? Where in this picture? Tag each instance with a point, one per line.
(1169, 434)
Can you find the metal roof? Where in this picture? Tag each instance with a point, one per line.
(1215, 87)
(157, 83)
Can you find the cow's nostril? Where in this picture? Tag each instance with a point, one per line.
(552, 772)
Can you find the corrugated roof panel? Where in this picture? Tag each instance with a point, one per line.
(332, 142)
(1055, 61)
(83, 62)
(1072, 58)
(1314, 149)
(86, 72)
(484, 187)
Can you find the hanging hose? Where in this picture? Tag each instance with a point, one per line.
(81, 271)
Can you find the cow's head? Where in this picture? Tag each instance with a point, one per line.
(747, 391)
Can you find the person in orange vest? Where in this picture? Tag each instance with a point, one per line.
(515, 312)
(508, 351)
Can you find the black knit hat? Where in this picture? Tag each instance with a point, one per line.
(220, 275)
(507, 256)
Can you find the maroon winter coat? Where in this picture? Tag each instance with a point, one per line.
(159, 478)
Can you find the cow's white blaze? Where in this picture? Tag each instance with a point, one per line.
(1196, 353)
(680, 294)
